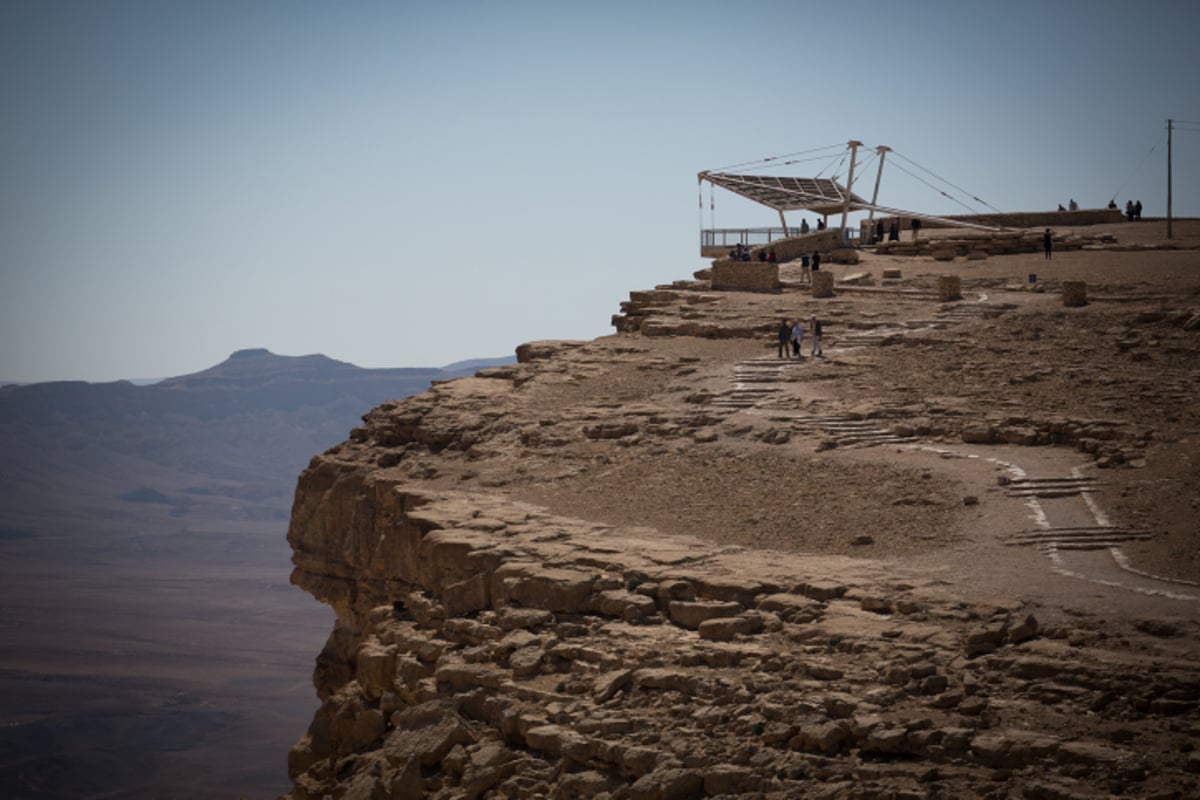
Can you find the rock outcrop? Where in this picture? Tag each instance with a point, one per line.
(590, 574)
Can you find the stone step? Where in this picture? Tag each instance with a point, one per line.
(1051, 487)
(759, 390)
(872, 441)
(1090, 538)
(733, 404)
(871, 337)
(850, 432)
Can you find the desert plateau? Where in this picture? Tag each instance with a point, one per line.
(956, 556)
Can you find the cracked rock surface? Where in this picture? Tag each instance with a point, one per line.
(956, 557)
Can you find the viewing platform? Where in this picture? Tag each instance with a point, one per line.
(717, 242)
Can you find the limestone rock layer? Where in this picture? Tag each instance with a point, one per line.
(668, 564)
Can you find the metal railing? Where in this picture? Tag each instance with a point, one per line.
(751, 237)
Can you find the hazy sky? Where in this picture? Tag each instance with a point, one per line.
(414, 183)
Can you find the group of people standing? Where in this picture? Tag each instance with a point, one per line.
(791, 337)
(893, 232)
(809, 265)
(740, 253)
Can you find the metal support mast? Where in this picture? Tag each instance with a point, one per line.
(853, 144)
(1170, 125)
(882, 150)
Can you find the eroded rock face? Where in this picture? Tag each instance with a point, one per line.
(575, 661)
(496, 639)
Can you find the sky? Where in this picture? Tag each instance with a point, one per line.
(417, 183)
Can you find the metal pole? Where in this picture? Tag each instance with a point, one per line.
(783, 222)
(853, 144)
(883, 150)
(1170, 125)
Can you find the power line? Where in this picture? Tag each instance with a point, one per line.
(1157, 145)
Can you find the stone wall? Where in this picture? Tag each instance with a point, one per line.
(745, 276)
(979, 243)
(1022, 219)
(796, 246)
(762, 276)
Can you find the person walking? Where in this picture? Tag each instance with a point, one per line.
(797, 339)
(1048, 243)
(814, 328)
(785, 333)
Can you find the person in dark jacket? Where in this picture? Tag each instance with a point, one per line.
(814, 330)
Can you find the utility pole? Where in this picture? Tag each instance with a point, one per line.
(854, 144)
(1170, 125)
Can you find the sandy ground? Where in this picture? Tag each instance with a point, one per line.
(937, 503)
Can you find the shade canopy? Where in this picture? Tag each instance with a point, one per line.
(824, 196)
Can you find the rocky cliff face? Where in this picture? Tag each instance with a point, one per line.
(670, 564)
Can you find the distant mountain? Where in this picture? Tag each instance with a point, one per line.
(256, 417)
(249, 380)
(143, 556)
(478, 364)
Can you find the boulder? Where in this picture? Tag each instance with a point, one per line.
(426, 733)
(689, 614)
(668, 784)
(726, 629)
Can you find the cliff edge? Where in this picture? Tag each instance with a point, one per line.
(953, 557)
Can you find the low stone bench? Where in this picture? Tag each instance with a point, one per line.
(1074, 293)
(949, 288)
(822, 284)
